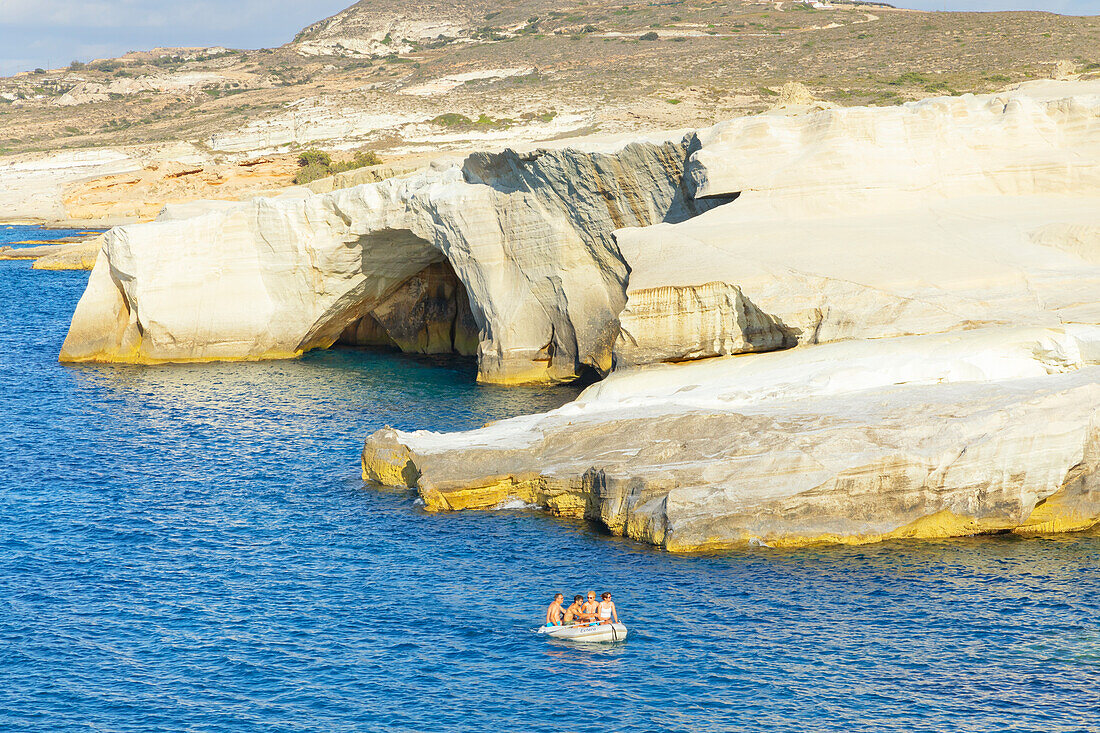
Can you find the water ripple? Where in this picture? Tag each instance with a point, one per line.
(190, 548)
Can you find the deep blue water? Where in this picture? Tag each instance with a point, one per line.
(190, 548)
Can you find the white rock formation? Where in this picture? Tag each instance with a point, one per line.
(89, 91)
(529, 236)
(848, 223)
(69, 255)
(33, 187)
(996, 429)
(332, 123)
(444, 84)
(865, 223)
(308, 121)
(893, 246)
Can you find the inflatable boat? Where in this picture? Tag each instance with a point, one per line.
(587, 633)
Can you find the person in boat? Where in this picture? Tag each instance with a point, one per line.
(588, 609)
(605, 610)
(554, 612)
(574, 611)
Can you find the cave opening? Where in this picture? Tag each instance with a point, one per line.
(427, 313)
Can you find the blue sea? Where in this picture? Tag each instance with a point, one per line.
(191, 548)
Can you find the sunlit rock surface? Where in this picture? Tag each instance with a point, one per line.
(867, 222)
(929, 436)
(528, 235)
(935, 216)
(925, 277)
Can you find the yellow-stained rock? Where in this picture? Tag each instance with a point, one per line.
(989, 431)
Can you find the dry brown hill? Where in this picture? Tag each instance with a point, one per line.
(405, 77)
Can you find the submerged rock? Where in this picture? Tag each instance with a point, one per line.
(75, 253)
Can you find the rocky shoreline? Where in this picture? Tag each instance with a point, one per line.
(66, 253)
(814, 325)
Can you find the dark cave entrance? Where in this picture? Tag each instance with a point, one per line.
(429, 313)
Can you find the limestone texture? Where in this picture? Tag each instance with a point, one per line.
(528, 235)
(112, 186)
(815, 324)
(991, 430)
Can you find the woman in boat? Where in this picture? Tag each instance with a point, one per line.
(605, 610)
(588, 610)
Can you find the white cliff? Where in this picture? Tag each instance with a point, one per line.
(528, 235)
(867, 223)
(934, 267)
(927, 436)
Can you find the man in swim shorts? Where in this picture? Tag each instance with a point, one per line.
(574, 610)
(553, 613)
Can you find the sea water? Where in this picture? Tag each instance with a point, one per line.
(190, 548)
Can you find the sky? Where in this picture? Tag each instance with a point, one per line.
(51, 33)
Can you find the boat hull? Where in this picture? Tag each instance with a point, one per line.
(595, 633)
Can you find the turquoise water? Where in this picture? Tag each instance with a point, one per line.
(190, 548)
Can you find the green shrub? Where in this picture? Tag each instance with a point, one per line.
(909, 77)
(76, 65)
(309, 173)
(314, 157)
(451, 119)
(651, 36)
(315, 164)
(362, 159)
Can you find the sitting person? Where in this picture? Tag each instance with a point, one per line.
(554, 612)
(588, 610)
(574, 610)
(605, 610)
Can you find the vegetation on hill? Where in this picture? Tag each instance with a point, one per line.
(612, 63)
(315, 164)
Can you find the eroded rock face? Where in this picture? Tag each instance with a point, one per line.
(933, 263)
(988, 430)
(427, 314)
(693, 322)
(528, 237)
(941, 215)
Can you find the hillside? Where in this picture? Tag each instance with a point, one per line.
(396, 75)
(115, 140)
